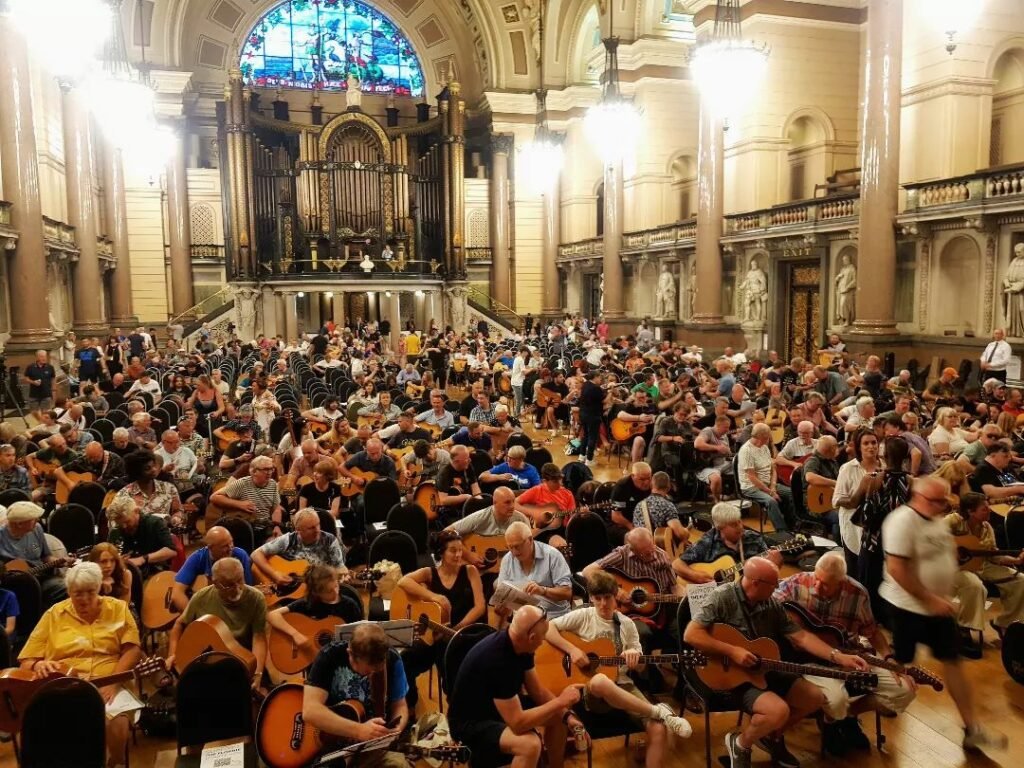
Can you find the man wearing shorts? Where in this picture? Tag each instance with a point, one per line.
(920, 576)
(39, 376)
(486, 713)
(748, 606)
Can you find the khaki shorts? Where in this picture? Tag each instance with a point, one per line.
(601, 707)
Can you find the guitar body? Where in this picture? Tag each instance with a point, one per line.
(426, 497)
(158, 611)
(556, 670)
(210, 633)
(666, 539)
(547, 399)
(786, 472)
(227, 437)
(215, 510)
(291, 658)
(318, 428)
(488, 548)
(631, 586)
(971, 554)
(63, 490)
(283, 740)
(405, 607)
(819, 499)
(625, 430)
(721, 674)
(348, 488)
(47, 468)
(415, 391)
(374, 421)
(717, 568)
(776, 418)
(293, 569)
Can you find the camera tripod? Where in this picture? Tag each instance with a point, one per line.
(7, 395)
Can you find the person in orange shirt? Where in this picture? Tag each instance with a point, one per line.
(542, 500)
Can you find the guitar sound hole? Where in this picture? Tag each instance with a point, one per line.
(639, 597)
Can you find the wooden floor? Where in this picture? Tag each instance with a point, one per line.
(928, 735)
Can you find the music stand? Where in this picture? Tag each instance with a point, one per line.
(400, 633)
(356, 750)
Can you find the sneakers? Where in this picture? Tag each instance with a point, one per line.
(852, 733)
(833, 740)
(677, 725)
(969, 647)
(781, 756)
(738, 756)
(977, 739)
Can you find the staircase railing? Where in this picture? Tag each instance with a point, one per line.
(489, 302)
(204, 307)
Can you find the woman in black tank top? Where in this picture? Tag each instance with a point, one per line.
(456, 587)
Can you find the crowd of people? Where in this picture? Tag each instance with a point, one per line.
(292, 438)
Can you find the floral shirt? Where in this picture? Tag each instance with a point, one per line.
(160, 502)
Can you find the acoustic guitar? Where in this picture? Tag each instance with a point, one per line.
(643, 598)
(226, 438)
(835, 637)
(45, 470)
(425, 612)
(721, 674)
(725, 568)
(547, 399)
(45, 570)
(158, 609)
(350, 488)
(428, 498)
(776, 418)
(557, 672)
(292, 659)
(294, 571)
(785, 472)
(666, 539)
(17, 687)
(63, 489)
(374, 421)
(289, 485)
(283, 740)
(491, 549)
(971, 555)
(819, 499)
(210, 633)
(414, 391)
(549, 516)
(625, 430)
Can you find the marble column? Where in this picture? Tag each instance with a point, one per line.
(880, 165)
(80, 174)
(116, 213)
(614, 205)
(551, 233)
(269, 312)
(707, 308)
(291, 326)
(26, 263)
(501, 146)
(394, 314)
(372, 297)
(179, 231)
(338, 307)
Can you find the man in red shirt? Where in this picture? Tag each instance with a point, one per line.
(547, 504)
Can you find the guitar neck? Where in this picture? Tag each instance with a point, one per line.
(803, 669)
(656, 658)
(728, 573)
(441, 628)
(990, 552)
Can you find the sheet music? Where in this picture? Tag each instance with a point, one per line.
(510, 596)
(230, 756)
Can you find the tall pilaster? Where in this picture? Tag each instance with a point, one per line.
(242, 253)
(179, 231)
(80, 173)
(394, 314)
(501, 146)
(457, 136)
(879, 175)
(338, 307)
(26, 264)
(710, 208)
(115, 206)
(291, 327)
(614, 203)
(550, 235)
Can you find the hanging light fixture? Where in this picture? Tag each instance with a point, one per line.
(727, 69)
(540, 159)
(953, 17)
(613, 124)
(70, 32)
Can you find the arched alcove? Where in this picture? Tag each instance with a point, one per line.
(808, 158)
(683, 170)
(957, 294)
(1007, 131)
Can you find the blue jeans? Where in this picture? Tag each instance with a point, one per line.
(779, 512)
(518, 393)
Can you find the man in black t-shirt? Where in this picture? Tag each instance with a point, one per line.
(993, 478)
(485, 698)
(408, 433)
(40, 375)
(628, 492)
(638, 412)
(553, 392)
(456, 483)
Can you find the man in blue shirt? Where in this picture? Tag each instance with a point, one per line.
(514, 469)
(219, 544)
(537, 569)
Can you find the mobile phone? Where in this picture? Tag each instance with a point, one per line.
(393, 723)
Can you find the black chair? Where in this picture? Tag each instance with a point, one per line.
(5, 651)
(1015, 530)
(805, 520)
(380, 495)
(214, 701)
(538, 457)
(458, 647)
(604, 492)
(476, 504)
(327, 522)
(588, 539)
(78, 707)
(347, 590)
(26, 588)
(12, 495)
(520, 439)
(409, 518)
(74, 525)
(241, 532)
(137, 580)
(90, 496)
(105, 427)
(396, 546)
(481, 461)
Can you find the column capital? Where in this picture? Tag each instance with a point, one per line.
(502, 143)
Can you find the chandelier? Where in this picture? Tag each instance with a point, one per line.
(953, 17)
(727, 69)
(70, 32)
(540, 159)
(613, 124)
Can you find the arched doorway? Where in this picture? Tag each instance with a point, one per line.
(957, 292)
(1007, 133)
(808, 160)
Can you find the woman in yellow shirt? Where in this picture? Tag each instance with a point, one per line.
(93, 636)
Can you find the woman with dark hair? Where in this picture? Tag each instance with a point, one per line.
(151, 496)
(456, 587)
(117, 580)
(179, 387)
(893, 490)
(857, 477)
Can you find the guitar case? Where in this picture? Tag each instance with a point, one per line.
(1013, 651)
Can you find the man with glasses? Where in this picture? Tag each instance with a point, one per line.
(537, 569)
(219, 544)
(255, 498)
(748, 605)
(486, 712)
(994, 478)
(241, 607)
(920, 577)
(307, 542)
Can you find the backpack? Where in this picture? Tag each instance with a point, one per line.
(575, 474)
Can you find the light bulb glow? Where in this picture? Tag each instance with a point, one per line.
(613, 128)
(540, 162)
(71, 32)
(149, 151)
(729, 74)
(953, 16)
(123, 108)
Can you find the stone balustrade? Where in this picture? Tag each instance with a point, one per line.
(581, 249)
(989, 187)
(801, 215)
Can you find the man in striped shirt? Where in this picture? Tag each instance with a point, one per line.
(254, 498)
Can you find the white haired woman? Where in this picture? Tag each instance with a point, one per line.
(90, 635)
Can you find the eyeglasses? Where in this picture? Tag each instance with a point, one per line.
(543, 617)
(232, 587)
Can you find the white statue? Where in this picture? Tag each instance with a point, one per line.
(846, 291)
(387, 254)
(457, 307)
(691, 292)
(532, 10)
(1013, 293)
(755, 293)
(353, 96)
(665, 296)
(600, 290)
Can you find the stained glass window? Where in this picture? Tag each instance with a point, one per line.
(320, 43)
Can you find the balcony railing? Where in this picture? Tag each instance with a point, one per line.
(5, 213)
(477, 255)
(997, 188)
(805, 214)
(582, 249)
(207, 252)
(683, 233)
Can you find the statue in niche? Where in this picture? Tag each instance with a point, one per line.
(846, 291)
(353, 96)
(532, 10)
(600, 294)
(755, 293)
(665, 296)
(1013, 293)
(457, 307)
(691, 291)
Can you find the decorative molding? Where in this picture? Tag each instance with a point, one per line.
(991, 244)
(923, 269)
(953, 86)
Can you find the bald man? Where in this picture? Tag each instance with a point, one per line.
(486, 713)
(105, 467)
(219, 545)
(41, 463)
(920, 577)
(748, 605)
(490, 521)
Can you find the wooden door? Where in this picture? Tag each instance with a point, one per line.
(803, 331)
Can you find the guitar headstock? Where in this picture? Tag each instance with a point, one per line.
(691, 659)
(455, 753)
(151, 666)
(924, 677)
(861, 681)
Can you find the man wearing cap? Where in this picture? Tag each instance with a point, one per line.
(996, 357)
(942, 391)
(23, 539)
